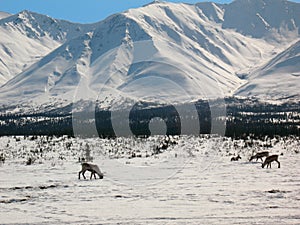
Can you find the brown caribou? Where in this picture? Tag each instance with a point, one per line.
(259, 155)
(236, 158)
(94, 169)
(269, 160)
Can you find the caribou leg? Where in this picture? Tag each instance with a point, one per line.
(83, 174)
(278, 163)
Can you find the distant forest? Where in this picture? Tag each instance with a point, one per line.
(243, 117)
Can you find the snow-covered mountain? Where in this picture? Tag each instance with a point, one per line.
(279, 77)
(27, 37)
(159, 52)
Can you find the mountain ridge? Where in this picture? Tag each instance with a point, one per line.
(27, 37)
(191, 38)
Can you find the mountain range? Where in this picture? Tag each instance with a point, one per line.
(161, 52)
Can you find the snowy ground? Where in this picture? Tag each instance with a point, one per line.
(192, 182)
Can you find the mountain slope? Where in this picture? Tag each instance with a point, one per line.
(27, 37)
(263, 18)
(280, 77)
(4, 15)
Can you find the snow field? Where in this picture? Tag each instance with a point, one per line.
(216, 192)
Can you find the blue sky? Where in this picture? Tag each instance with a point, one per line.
(79, 11)
(87, 11)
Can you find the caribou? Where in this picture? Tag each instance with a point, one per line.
(259, 155)
(236, 158)
(94, 169)
(269, 160)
